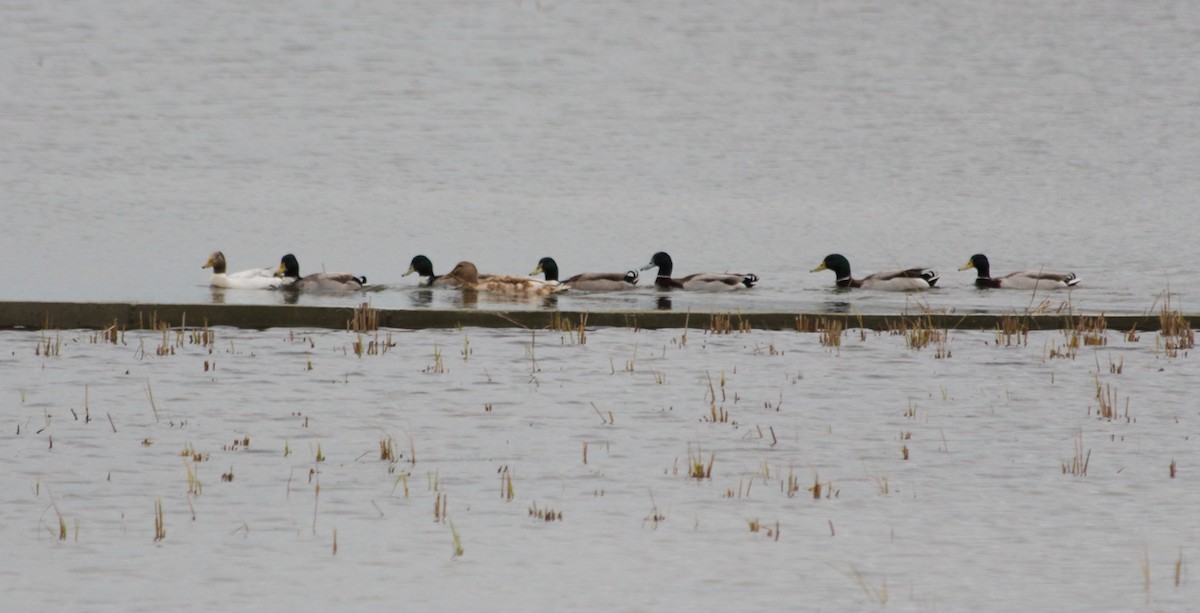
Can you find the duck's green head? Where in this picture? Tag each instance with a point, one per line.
(288, 267)
(662, 261)
(980, 263)
(420, 265)
(547, 266)
(835, 262)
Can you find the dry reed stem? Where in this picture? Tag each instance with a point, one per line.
(1179, 569)
(1174, 332)
(458, 546)
(696, 467)
(160, 531)
(544, 514)
(1012, 331)
(365, 319)
(1079, 462)
(831, 333)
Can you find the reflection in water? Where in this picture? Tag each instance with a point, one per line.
(218, 295)
(422, 298)
(290, 295)
(470, 297)
(835, 306)
(663, 303)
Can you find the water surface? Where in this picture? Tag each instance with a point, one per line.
(750, 138)
(757, 137)
(979, 516)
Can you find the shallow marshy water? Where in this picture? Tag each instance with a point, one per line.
(568, 471)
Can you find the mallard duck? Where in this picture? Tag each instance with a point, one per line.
(424, 269)
(902, 280)
(255, 278)
(588, 281)
(1026, 279)
(701, 281)
(289, 268)
(467, 275)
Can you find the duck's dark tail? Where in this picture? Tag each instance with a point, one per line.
(1072, 280)
(931, 277)
(749, 280)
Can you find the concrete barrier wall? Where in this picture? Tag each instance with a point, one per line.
(133, 316)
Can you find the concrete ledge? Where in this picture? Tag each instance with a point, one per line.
(133, 316)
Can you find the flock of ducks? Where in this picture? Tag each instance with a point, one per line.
(920, 278)
(466, 276)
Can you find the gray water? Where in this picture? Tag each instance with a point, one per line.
(941, 472)
(753, 137)
(748, 137)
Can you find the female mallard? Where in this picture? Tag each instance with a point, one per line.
(588, 281)
(701, 281)
(424, 269)
(1026, 279)
(903, 280)
(467, 275)
(289, 268)
(255, 278)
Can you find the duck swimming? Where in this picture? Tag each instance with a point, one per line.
(901, 280)
(701, 281)
(1026, 279)
(289, 268)
(255, 278)
(424, 269)
(467, 275)
(588, 281)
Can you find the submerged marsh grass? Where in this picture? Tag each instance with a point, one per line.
(1077, 466)
(920, 332)
(745, 135)
(365, 319)
(831, 334)
(1012, 331)
(554, 416)
(1175, 334)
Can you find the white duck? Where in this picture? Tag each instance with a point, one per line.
(255, 278)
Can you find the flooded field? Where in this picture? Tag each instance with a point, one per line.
(287, 469)
(471, 469)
